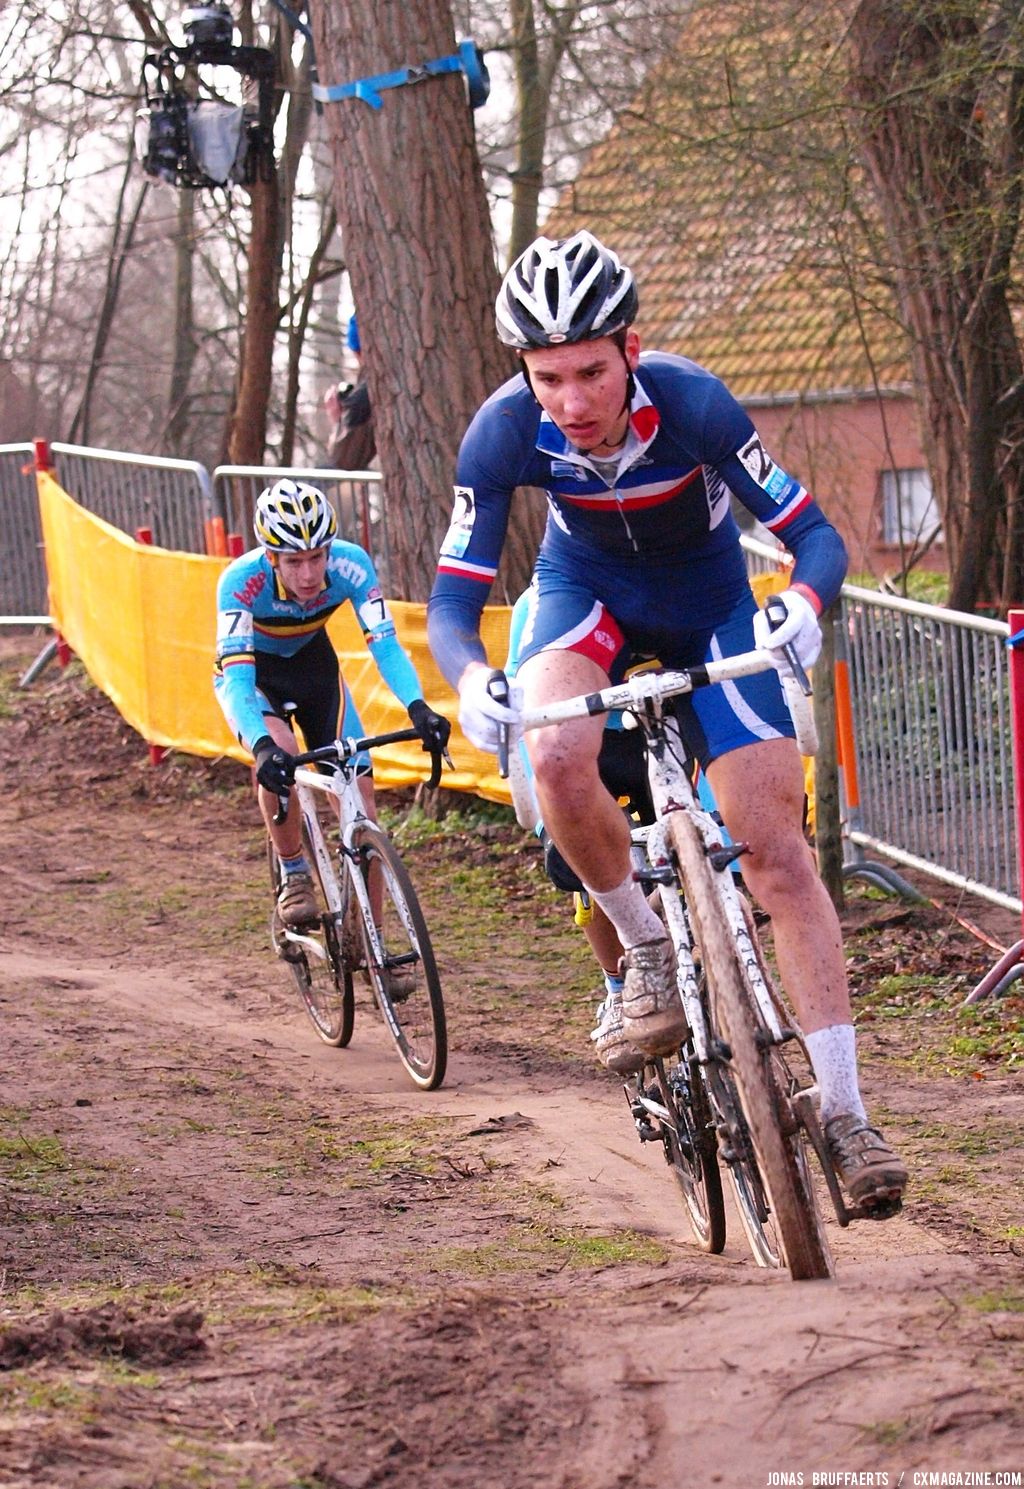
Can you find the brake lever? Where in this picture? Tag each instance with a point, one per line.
(497, 686)
(775, 609)
(283, 800)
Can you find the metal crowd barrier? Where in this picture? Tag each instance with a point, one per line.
(932, 735)
(930, 693)
(172, 498)
(23, 598)
(355, 496)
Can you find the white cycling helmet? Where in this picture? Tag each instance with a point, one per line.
(558, 291)
(291, 514)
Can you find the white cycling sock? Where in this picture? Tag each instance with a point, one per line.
(833, 1053)
(629, 912)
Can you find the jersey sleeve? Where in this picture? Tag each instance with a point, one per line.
(235, 680)
(489, 468)
(777, 499)
(378, 627)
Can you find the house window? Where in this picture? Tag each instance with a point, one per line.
(909, 510)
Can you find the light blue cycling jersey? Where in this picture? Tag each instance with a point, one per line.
(648, 535)
(256, 617)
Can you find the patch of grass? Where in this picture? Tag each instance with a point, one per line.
(1009, 1300)
(29, 1159)
(887, 1434)
(529, 1248)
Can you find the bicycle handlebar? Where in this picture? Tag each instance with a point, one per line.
(341, 750)
(644, 687)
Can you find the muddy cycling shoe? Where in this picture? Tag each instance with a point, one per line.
(871, 1173)
(296, 901)
(399, 981)
(652, 1014)
(614, 1050)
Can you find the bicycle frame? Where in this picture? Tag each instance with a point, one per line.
(369, 918)
(693, 856)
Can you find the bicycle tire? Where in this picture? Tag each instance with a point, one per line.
(690, 1146)
(415, 1019)
(770, 1121)
(317, 964)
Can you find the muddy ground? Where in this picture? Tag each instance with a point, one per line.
(235, 1257)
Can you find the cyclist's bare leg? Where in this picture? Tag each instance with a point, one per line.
(782, 876)
(586, 823)
(593, 836)
(759, 791)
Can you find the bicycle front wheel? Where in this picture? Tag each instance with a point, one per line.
(773, 1169)
(313, 956)
(400, 961)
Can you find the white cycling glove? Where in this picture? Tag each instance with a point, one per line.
(800, 629)
(480, 714)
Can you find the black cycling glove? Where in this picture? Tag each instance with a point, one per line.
(274, 769)
(433, 728)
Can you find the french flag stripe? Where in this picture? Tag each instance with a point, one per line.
(481, 572)
(795, 507)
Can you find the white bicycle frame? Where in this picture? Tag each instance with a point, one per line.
(671, 791)
(336, 879)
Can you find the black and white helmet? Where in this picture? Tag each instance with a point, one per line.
(571, 289)
(291, 514)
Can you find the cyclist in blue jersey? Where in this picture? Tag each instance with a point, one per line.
(273, 605)
(639, 454)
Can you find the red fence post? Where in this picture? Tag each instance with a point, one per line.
(156, 752)
(236, 545)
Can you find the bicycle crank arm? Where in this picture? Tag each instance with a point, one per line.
(308, 943)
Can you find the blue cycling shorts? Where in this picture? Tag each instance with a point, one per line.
(618, 624)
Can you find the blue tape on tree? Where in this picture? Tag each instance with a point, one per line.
(468, 60)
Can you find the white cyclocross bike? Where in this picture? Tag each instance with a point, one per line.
(370, 919)
(739, 1091)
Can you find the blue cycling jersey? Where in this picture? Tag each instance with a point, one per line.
(255, 615)
(655, 518)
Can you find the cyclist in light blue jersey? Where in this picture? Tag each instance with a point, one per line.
(273, 605)
(639, 454)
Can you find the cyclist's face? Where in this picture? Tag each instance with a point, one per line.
(583, 388)
(302, 574)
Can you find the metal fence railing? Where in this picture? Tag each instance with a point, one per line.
(173, 498)
(930, 696)
(23, 598)
(355, 496)
(932, 728)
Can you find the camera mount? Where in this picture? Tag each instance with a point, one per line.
(205, 144)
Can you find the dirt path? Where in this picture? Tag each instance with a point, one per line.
(235, 1257)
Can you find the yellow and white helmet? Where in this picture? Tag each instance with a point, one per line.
(291, 514)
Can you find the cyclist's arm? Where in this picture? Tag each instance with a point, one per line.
(489, 469)
(235, 680)
(734, 449)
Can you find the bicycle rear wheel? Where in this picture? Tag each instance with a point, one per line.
(690, 1145)
(403, 974)
(314, 957)
(777, 1201)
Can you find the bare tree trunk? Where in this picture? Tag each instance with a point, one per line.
(417, 240)
(184, 328)
(248, 437)
(948, 182)
(120, 247)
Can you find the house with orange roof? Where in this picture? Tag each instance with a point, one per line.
(741, 270)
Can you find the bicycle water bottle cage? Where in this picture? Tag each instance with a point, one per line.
(721, 858)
